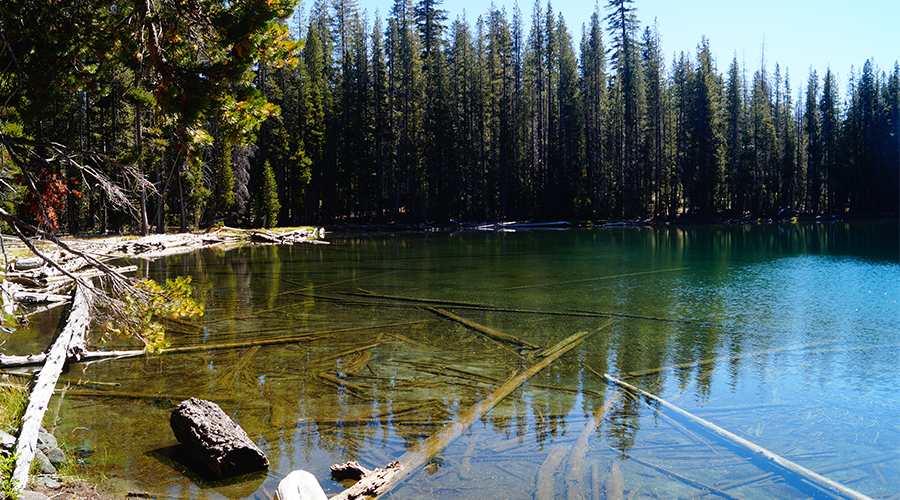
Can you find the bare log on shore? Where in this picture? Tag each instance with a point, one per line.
(68, 345)
(829, 485)
(412, 461)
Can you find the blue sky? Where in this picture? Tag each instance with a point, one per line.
(797, 34)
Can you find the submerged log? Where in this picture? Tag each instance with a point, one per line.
(544, 481)
(487, 332)
(575, 464)
(615, 483)
(828, 485)
(213, 438)
(69, 343)
(693, 482)
(411, 461)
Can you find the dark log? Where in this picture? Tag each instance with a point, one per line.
(213, 438)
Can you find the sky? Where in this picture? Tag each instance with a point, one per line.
(797, 34)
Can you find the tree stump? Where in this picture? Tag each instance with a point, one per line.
(213, 438)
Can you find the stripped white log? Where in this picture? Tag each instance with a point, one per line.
(300, 485)
(781, 462)
(39, 298)
(69, 343)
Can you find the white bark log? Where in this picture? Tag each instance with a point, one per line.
(832, 487)
(69, 343)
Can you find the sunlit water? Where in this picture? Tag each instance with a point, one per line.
(797, 327)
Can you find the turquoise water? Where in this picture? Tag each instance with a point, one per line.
(787, 335)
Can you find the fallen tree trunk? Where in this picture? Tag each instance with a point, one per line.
(36, 359)
(779, 461)
(575, 464)
(69, 345)
(412, 461)
(487, 332)
(215, 439)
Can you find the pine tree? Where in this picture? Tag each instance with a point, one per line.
(736, 172)
(461, 71)
(406, 101)
(573, 200)
(268, 203)
(628, 99)
(593, 83)
(815, 175)
(831, 145)
(707, 134)
(655, 162)
(764, 143)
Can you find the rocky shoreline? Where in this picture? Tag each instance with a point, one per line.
(42, 274)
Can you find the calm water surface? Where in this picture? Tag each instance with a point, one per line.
(786, 335)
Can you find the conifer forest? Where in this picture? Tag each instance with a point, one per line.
(143, 115)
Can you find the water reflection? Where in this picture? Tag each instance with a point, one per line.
(786, 334)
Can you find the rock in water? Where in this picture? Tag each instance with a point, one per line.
(213, 438)
(299, 485)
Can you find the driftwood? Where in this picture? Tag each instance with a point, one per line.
(412, 461)
(780, 462)
(487, 332)
(213, 438)
(68, 345)
(575, 463)
(371, 481)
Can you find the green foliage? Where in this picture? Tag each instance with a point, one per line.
(268, 203)
(13, 401)
(420, 118)
(150, 303)
(8, 490)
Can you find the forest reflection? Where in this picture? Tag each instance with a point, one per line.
(363, 375)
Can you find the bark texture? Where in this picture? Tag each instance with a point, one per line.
(213, 438)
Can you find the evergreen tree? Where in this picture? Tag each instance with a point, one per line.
(628, 101)
(831, 144)
(406, 98)
(736, 172)
(655, 172)
(593, 90)
(707, 135)
(763, 144)
(815, 174)
(268, 204)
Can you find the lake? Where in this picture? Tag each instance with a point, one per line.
(786, 335)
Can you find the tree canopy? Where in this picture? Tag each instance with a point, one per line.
(196, 111)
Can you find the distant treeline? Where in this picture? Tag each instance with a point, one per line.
(417, 118)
